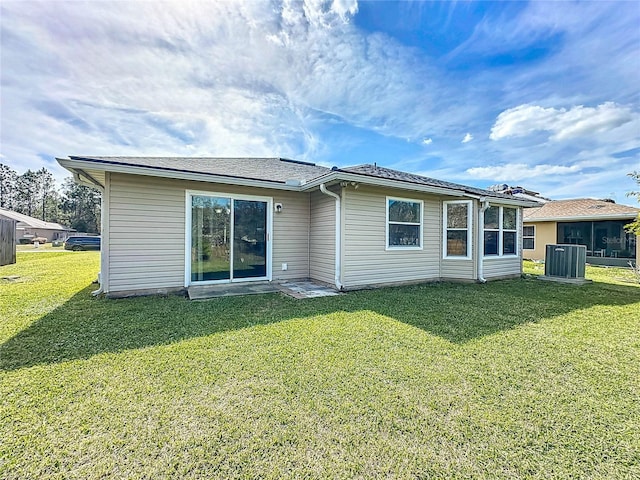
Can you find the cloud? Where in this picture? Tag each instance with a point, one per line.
(326, 14)
(171, 84)
(520, 171)
(302, 79)
(467, 138)
(561, 123)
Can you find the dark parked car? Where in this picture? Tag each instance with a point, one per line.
(82, 243)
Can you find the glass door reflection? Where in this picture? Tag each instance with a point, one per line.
(210, 238)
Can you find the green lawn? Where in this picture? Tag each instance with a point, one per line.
(512, 379)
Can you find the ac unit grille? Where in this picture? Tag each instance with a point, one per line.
(565, 261)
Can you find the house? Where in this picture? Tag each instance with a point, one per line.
(172, 223)
(28, 227)
(598, 224)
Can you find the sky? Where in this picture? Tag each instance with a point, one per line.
(545, 95)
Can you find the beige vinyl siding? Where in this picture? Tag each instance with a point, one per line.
(502, 267)
(365, 258)
(147, 231)
(322, 228)
(290, 235)
(457, 269)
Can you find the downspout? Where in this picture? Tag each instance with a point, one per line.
(338, 253)
(485, 205)
(97, 292)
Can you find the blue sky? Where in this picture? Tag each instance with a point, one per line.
(540, 94)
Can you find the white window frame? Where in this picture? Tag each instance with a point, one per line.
(189, 194)
(387, 222)
(501, 231)
(533, 237)
(469, 229)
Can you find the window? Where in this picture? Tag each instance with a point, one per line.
(500, 231)
(529, 237)
(404, 223)
(457, 229)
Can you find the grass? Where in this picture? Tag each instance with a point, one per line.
(512, 379)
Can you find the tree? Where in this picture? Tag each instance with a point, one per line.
(80, 207)
(45, 191)
(634, 227)
(8, 179)
(27, 193)
(35, 194)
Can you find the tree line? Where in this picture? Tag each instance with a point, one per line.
(36, 194)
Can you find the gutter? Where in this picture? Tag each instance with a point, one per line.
(338, 252)
(480, 242)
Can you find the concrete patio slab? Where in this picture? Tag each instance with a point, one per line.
(307, 289)
(300, 290)
(202, 292)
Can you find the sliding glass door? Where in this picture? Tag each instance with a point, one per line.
(249, 239)
(210, 238)
(228, 238)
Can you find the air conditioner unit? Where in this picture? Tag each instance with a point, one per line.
(565, 261)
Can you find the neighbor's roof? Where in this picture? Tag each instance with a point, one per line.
(579, 209)
(277, 173)
(30, 221)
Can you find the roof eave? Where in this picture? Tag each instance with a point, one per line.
(77, 165)
(73, 165)
(590, 218)
(381, 182)
(337, 176)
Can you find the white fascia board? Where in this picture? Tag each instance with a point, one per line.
(620, 216)
(72, 165)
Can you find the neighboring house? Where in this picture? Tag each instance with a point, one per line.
(598, 224)
(28, 227)
(171, 223)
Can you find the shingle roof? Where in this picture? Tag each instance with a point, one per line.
(388, 173)
(279, 170)
(579, 207)
(30, 221)
(269, 169)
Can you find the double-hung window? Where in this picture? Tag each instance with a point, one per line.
(529, 237)
(404, 223)
(457, 229)
(500, 231)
